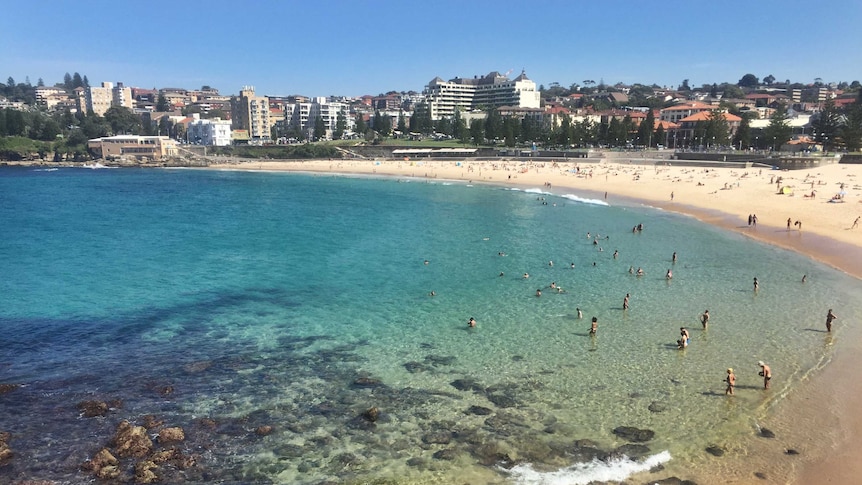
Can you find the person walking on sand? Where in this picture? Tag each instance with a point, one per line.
(731, 382)
(704, 319)
(765, 373)
(671, 196)
(856, 223)
(829, 318)
(789, 221)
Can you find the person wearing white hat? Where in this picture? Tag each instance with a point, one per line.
(765, 373)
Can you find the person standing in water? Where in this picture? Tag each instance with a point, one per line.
(673, 258)
(471, 323)
(580, 314)
(594, 327)
(756, 285)
(829, 318)
(626, 302)
(704, 319)
(765, 373)
(731, 382)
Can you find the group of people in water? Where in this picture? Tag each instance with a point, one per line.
(685, 336)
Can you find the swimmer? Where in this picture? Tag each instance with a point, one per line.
(631, 270)
(550, 264)
(573, 265)
(673, 258)
(538, 292)
(595, 326)
(765, 373)
(829, 318)
(639, 272)
(704, 319)
(433, 293)
(669, 274)
(616, 254)
(804, 278)
(588, 236)
(553, 285)
(580, 313)
(471, 323)
(426, 261)
(502, 274)
(526, 275)
(731, 382)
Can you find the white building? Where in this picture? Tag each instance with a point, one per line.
(492, 90)
(212, 132)
(99, 99)
(302, 116)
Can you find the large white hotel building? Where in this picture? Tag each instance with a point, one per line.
(492, 90)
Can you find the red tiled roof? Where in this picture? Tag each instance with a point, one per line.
(704, 115)
(689, 106)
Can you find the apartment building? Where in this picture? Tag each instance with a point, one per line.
(251, 113)
(490, 91)
(302, 116)
(98, 99)
(50, 96)
(211, 132)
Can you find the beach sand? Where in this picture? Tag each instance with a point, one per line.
(820, 419)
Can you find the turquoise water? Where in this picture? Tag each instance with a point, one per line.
(225, 301)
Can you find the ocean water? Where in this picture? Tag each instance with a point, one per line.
(224, 301)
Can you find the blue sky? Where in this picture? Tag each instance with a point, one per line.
(355, 47)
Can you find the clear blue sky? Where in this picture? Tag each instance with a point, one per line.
(355, 47)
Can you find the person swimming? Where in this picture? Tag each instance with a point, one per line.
(471, 323)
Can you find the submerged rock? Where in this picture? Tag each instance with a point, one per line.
(502, 401)
(4, 388)
(467, 385)
(264, 430)
(151, 421)
(132, 441)
(657, 407)
(760, 475)
(92, 409)
(632, 450)
(478, 410)
(437, 438)
(634, 435)
(790, 451)
(715, 450)
(765, 433)
(414, 367)
(448, 454)
(366, 382)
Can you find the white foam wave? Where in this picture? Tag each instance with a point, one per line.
(46, 169)
(536, 191)
(615, 470)
(583, 200)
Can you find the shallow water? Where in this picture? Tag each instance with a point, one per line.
(259, 299)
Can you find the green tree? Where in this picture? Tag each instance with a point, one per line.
(742, 137)
(162, 104)
(123, 121)
(402, 123)
(77, 82)
(361, 126)
(778, 131)
(827, 126)
(340, 125)
(493, 125)
(768, 80)
(459, 126)
(684, 86)
(660, 136)
(319, 132)
(748, 81)
(382, 124)
(477, 132)
(645, 130)
(67, 82)
(851, 131)
(715, 130)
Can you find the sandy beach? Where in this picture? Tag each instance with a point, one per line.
(724, 197)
